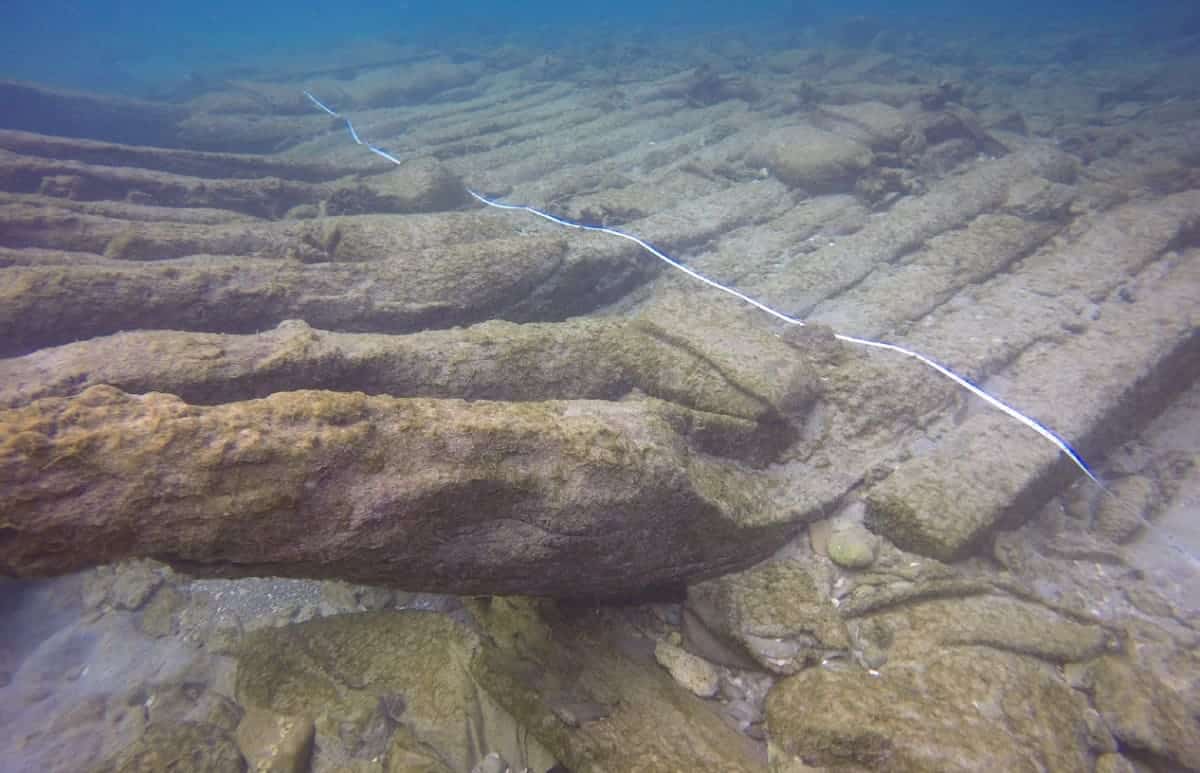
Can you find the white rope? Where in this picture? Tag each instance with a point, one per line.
(979, 392)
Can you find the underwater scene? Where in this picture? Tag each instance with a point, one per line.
(630, 387)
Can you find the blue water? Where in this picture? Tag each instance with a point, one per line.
(127, 45)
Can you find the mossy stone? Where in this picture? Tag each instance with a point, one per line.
(853, 547)
(275, 743)
(699, 676)
(135, 582)
(158, 617)
(185, 747)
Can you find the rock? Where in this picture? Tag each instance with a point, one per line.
(402, 759)
(747, 717)
(98, 588)
(1120, 517)
(1040, 200)
(274, 743)
(157, 617)
(182, 746)
(670, 615)
(87, 712)
(493, 763)
(819, 533)
(1114, 763)
(1009, 121)
(775, 612)
(881, 592)
(911, 611)
(135, 582)
(708, 87)
(364, 670)
(853, 547)
(1083, 547)
(389, 685)
(875, 124)
(1150, 601)
(696, 674)
(813, 159)
(957, 131)
(714, 647)
(591, 692)
(1143, 713)
(374, 598)
(450, 496)
(341, 596)
(936, 97)
(872, 639)
(188, 700)
(963, 710)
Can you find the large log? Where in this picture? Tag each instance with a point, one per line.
(584, 498)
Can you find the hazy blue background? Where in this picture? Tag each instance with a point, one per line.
(120, 44)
